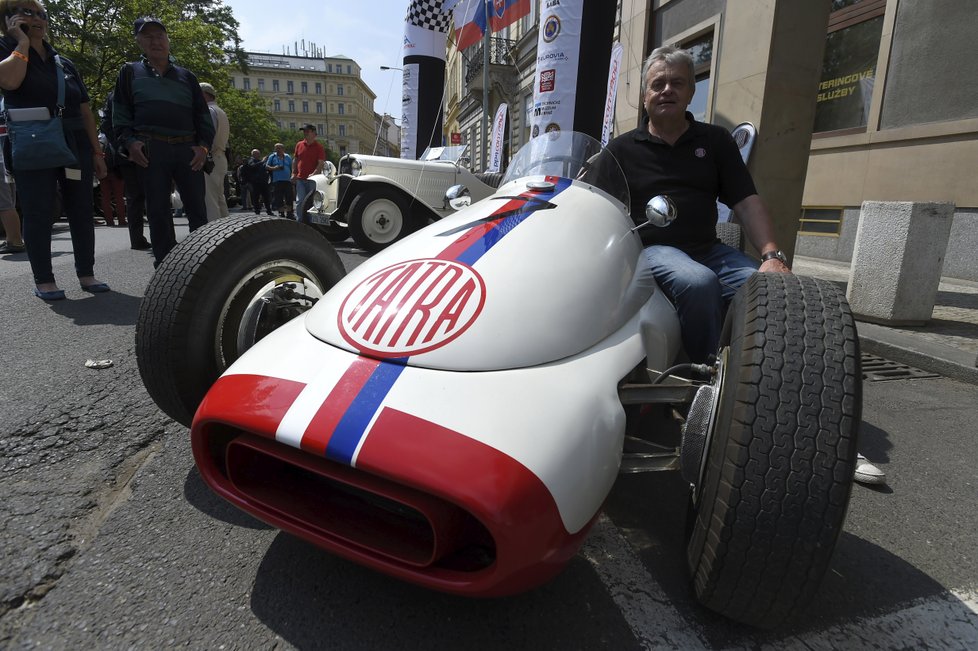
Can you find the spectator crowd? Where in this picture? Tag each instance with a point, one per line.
(161, 145)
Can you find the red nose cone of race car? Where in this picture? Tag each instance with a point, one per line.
(423, 504)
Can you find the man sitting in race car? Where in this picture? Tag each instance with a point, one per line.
(695, 164)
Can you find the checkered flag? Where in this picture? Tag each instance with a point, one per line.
(429, 14)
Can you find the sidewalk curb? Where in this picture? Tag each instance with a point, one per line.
(911, 350)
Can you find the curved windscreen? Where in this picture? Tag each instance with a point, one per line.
(572, 155)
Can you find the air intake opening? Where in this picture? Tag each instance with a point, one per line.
(354, 509)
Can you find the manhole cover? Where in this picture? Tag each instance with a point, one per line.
(876, 369)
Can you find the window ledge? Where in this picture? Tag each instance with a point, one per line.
(930, 130)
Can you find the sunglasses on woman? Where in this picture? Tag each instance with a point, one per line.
(30, 13)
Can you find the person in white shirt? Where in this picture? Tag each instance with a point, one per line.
(214, 199)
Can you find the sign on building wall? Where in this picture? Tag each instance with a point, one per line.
(558, 48)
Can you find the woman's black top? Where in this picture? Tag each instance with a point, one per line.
(40, 85)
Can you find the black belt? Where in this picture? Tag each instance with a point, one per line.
(173, 140)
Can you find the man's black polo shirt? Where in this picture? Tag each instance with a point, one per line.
(702, 166)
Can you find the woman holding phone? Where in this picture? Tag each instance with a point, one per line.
(29, 81)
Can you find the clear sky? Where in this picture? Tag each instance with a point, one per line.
(368, 31)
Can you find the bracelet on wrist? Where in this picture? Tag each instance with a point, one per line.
(22, 57)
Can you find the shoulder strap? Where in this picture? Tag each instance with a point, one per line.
(61, 83)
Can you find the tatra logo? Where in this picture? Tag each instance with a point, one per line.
(700, 152)
(552, 3)
(412, 307)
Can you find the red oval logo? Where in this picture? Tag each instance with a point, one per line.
(412, 307)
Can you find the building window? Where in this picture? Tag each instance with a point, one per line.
(292, 125)
(339, 89)
(341, 109)
(290, 87)
(319, 107)
(322, 128)
(342, 151)
(275, 85)
(319, 88)
(701, 49)
(305, 106)
(305, 87)
(234, 83)
(342, 130)
(349, 69)
(820, 221)
(852, 46)
(291, 106)
(247, 83)
(261, 84)
(277, 105)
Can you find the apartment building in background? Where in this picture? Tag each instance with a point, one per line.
(325, 91)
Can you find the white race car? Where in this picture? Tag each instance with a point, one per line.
(453, 411)
(378, 200)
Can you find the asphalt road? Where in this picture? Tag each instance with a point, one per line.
(111, 540)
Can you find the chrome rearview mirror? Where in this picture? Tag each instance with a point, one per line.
(458, 197)
(660, 211)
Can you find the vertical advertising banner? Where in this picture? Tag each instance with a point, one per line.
(498, 132)
(558, 49)
(614, 70)
(425, 35)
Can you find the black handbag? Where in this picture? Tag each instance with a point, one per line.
(41, 144)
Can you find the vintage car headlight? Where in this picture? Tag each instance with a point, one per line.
(356, 167)
(318, 200)
(330, 171)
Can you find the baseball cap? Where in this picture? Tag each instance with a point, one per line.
(142, 21)
(308, 127)
(207, 88)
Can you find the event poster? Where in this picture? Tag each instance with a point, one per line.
(558, 47)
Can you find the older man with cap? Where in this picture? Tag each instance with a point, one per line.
(162, 123)
(217, 205)
(307, 160)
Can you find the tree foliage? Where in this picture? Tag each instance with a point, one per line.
(97, 36)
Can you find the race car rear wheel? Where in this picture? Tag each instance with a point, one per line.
(227, 285)
(378, 218)
(780, 461)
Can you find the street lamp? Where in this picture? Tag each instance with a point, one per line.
(391, 68)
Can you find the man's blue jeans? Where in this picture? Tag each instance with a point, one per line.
(303, 188)
(700, 285)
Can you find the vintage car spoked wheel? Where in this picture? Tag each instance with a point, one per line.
(780, 457)
(377, 219)
(227, 285)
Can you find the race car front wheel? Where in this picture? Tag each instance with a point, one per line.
(378, 218)
(227, 285)
(778, 470)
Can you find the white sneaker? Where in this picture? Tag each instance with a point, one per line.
(868, 473)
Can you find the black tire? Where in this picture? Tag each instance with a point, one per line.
(731, 234)
(219, 291)
(775, 489)
(378, 218)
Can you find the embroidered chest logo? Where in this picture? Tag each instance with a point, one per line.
(700, 152)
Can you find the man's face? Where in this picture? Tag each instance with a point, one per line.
(255, 154)
(280, 150)
(310, 134)
(153, 41)
(668, 90)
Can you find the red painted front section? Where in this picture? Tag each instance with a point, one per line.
(439, 475)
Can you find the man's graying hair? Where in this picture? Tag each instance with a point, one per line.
(672, 56)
